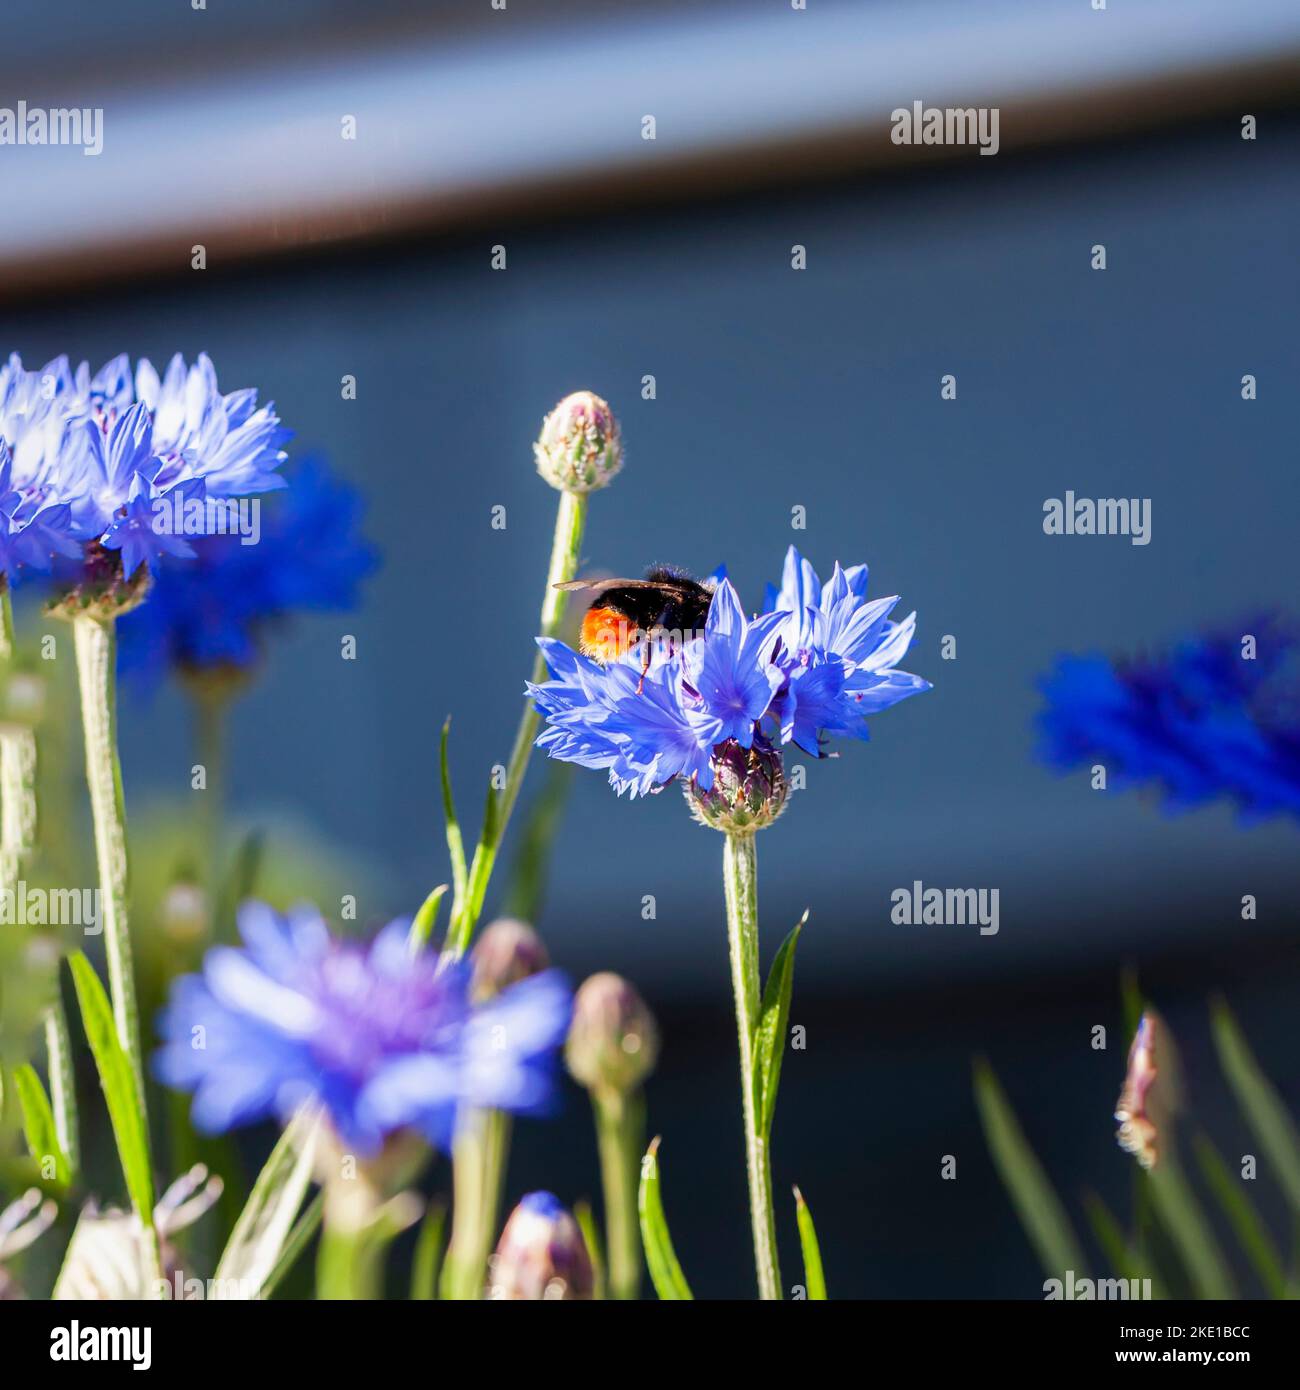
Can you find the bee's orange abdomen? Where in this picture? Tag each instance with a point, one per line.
(606, 634)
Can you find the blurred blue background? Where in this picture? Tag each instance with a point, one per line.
(820, 389)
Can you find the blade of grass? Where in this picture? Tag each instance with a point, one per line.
(1180, 1216)
(265, 1223)
(1120, 1254)
(299, 1238)
(1243, 1218)
(1263, 1109)
(1037, 1205)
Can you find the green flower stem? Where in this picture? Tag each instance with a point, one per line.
(740, 881)
(620, 1134)
(96, 645)
(17, 762)
(210, 706)
(570, 521)
(465, 1268)
(496, 1157)
(18, 821)
(63, 1092)
(340, 1264)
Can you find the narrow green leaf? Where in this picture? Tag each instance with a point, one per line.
(38, 1124)
(428, 1253)
(237, 885)
(586, 1220)
(1240, 1211)
(1180, 1217)
(665, 1273)
(1123, 1259)
(422, 927)
(1037, 1205)
(455, 842)
(813, 1275)
(117, 1078)
(298, 1239)
(769, 1036)
(480, 873)
(1264, 1111)
(265, 1224)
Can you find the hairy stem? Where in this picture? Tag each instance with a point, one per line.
(570, 520)
(18, 821)
(96, 645)
(740, 880)
(464, 1271)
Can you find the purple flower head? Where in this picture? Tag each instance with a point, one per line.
(1215, 718)
(384, 1040)
(814, 665)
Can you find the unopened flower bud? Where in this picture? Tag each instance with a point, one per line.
(542, 1254)
(507, 951)
(184, 912)
(1139, 1132)
(579, 448)
(613, 1042)
(749, 788)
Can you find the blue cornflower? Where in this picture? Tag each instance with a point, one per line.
(1200, 723)
(838, 654)
(111, 447)
(384, 1040)
(814, 665)
(214, 613)
(31, 533)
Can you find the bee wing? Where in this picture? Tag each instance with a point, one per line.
(597, 586)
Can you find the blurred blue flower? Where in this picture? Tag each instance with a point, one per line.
(815, 664)
(214, 613)
(109, 448)
(1200, 723)
(384, 1040)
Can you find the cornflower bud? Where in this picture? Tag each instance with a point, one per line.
(507, 951)
(613, 1042)
(579, 448)
(541, 1255)
(749, 788)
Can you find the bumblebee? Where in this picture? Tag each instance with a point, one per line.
(667, 605)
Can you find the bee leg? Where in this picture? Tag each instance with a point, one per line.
(645, 667)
